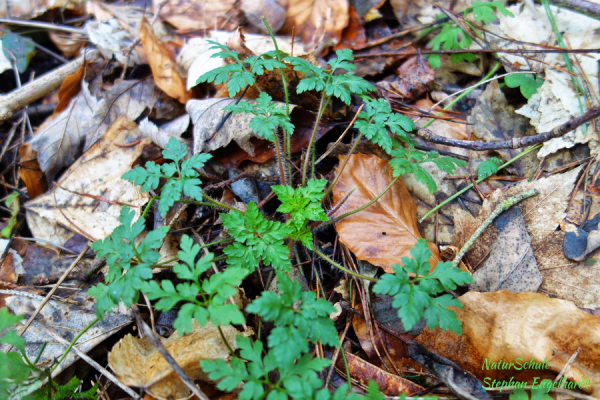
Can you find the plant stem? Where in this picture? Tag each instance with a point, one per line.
(322, 105)
(224, 339)
(337, 177)
(346, 270)
(502, 206)
(463, 94)
(333, 221)
(149, 206)
(286, 139)
(75, 339)
(218, 204)
(467, 188)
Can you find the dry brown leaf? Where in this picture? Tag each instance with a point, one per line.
(389, 384)
(353, 36)
(138, 363)
(511, 265)
(386, 231)
(318, 22)
(565, 279)
(506, 326)
(59, 142)
(64, 210)
(127, 98)
(162, 62)
(70, 88)
(29, 9)
(30, 172)
(414, 77)
(200, 15)
(542, 213)
(67, 320)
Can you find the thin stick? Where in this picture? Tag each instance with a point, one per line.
(43, 25)
(54, 289)
(40, 87)
(503, 206)
(93, 363)
(342, 135)
(513, 143)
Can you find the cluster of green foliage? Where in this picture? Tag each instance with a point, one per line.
(298, 316)
(452, 36)
(20, 378)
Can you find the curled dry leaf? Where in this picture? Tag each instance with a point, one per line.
(160, 135)
(91, 191)
(386, 231)
(389, 384)
(127, 98)
(162, 62)
(317, 21)
(414, 77)
(206, 116)
(504, 326)
(138, 363)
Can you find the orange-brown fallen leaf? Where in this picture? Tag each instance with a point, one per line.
(508, 327)
(164, 68)
(200, 15)
(317, 21)
(386, 231)
(389, 384)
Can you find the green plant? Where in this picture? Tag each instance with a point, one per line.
(415, 297)
(453, 37)
(179, 178)
(527, 83)
(540, 393)
(129, 263)
(20, 378)
(203, 300)
(297, 315)
(488, 168)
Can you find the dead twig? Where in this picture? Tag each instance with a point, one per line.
(42, 86)
(514, 143)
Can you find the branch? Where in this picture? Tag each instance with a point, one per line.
(514, 143)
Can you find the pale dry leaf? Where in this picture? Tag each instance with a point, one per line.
(138, 363)
(196, 58)
(200, 15)
(112, 40)
(503, 326)
(29, 9)
(206, 115)
(542, 214)
(164, 69)
(59, 142)
(65, 210)
(384, 232)
(511, 265)
(160, 135)
(67, 321)
(126, 98)
(318, 22)
(273, 10)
